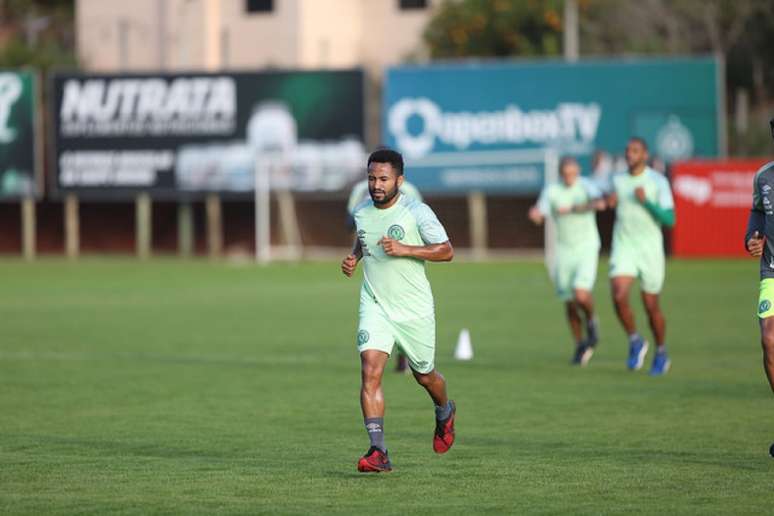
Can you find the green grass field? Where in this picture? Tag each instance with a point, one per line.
(191, 387)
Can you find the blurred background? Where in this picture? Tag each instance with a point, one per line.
(238, 128)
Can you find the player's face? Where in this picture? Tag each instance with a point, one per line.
(570, 172)
(636, 155)
(383, 182)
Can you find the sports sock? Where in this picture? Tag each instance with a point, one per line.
(661, 348)
(444, 412)
(634, 337)
(375, 428)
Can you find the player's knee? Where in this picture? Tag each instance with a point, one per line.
(372, 375)
(582, 296)
(767, 341)
(651, 305)
(424, 379)
(620, 296)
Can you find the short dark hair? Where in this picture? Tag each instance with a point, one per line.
(639, 140)
(566, 160)
(385, 155)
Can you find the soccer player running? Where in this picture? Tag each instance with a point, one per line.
(643, 203)
(395, 236)
(759, 241)
(572, 204)
(359, 194)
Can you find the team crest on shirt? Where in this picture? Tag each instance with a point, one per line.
(764, 306)
(396, 232)
(362, 337)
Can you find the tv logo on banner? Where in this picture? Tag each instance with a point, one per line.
(570, 123)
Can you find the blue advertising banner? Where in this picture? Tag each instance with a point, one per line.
(494, 127)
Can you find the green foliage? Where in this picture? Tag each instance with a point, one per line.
(43, 56)
(41, 33)
(739, 30)
(496, 28)
(199, 388)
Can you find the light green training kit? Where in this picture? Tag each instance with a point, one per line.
(396, 303)
(577, 237)
(638, 243)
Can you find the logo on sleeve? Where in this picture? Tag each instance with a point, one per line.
(396, 232)
(764, 306)
(362, 337)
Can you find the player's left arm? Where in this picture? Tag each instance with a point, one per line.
(663, 209)
(436, 248)
(443, 252)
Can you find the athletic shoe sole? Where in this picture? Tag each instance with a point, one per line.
(365, 467)
(586, 356)
(640, 357)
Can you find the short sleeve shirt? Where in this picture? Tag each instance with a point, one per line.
(398, 284)
(573, 230)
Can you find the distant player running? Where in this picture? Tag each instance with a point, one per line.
(395, 236)
(759, 241)
(643, 203)
(572, 204)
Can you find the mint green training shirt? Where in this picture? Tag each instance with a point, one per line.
(398, 284)
(573, 230)
(635, 227)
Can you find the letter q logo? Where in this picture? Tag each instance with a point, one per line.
(414, 145)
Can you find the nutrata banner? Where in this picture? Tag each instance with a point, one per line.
(489, 127)
(712, 204)
(19, 160)
(173, 135)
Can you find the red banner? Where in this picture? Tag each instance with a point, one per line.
(712, 203)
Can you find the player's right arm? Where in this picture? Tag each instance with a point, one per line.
(541, 209)
(349, 263)
(756, 223)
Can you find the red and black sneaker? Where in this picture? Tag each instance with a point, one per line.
(444, 432)
(374, 461)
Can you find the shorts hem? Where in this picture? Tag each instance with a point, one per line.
(366, 347)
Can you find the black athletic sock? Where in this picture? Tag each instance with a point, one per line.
(375, 428)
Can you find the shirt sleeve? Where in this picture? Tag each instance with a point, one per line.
(543, 204)
(757, 203)
(430, 228)
(664, 194)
